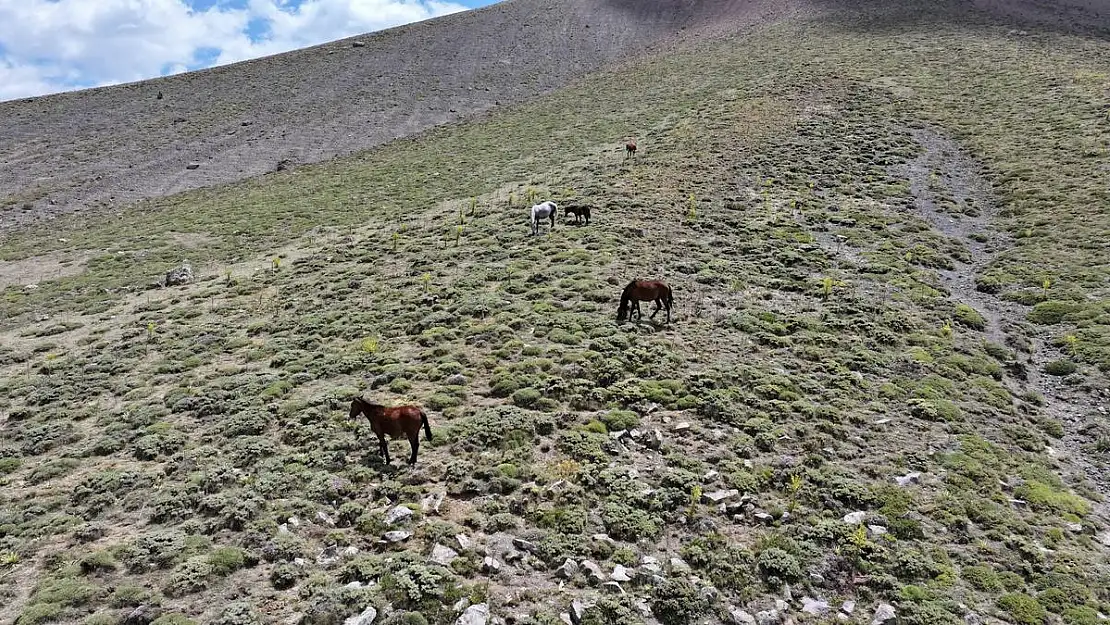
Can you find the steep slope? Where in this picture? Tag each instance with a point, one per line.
(884, 395)
(110, 146)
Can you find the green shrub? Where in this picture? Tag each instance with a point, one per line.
(97, 561)
(39, 613)
(677, 602)
(1041, 496)
(623, 522)
(969, 317)
(617, 420)
(526, 397)
(173, 618)
(1052, 312)
(1025, 610)
(778, 567)
(981, 578)
(226, 560)
(1061, 367)
(1082, 615)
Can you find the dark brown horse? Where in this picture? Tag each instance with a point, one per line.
(579, 212)
(630, 148)
(645, 291)
(394, 422)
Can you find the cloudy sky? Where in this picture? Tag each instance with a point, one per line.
(58, 45)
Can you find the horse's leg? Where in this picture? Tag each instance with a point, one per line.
(383, 447)
(414, 442)
(658, 305)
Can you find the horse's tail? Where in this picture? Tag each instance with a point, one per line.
(670, 297)
(424, 422)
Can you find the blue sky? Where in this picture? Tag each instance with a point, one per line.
(57, 45)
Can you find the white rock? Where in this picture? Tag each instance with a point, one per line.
(768, 617)
(490, 565)
(397, 514)
(397, 536)
(719, 496)
(884, 614)
(1075, 527)
(877, 530)
(463, 540)
(593, 571)
(474, 615)
(683, 426)
(568, 570)
(855, 518)
(814, 606)
(710, 476)
(612, 587)
(678, 565)
(366, 618)
(740, 617)
(443, 555)
(620, 574)
(909, 478)
(350, 551)
(432, 503)
(849, 607)
(325, 520)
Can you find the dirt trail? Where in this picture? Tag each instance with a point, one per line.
(944, 167)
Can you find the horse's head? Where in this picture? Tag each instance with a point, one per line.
(622, 312)
(356, 407)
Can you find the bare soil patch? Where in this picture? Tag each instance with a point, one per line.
(31, 271)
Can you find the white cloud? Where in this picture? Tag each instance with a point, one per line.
(53, 45)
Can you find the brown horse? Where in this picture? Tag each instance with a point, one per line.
(645, 291)
(630, 148)
(579, 212)
(393, 422)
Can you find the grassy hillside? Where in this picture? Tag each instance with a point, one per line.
(885, 382)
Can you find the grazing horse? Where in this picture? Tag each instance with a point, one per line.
(645, 291)
(579, 212)
(393, 422)
(630, 148)
(541, 211)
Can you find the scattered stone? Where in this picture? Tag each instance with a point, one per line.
(876, 530)
(443, 555)
(884, 614)
(740, 617)
(593, 572)
(684, 426)
(814, 606)
(719, 496)
(432, 502)
(710, 476)
(972, 618)
(490, 565)
(882, 422)
(324, 519)
(678, 565)
(294, 521)
(474, 615)
(358, 44)
(565, 617)
(461, 605)
(643, 607)
(179, 276)
(142, 615)
(397, 514)
(768, 617)
(612, 587)
(456, 380)
(1075, 527)
(816, 579)
(764, 518)
(855, 518)
(193, 165)
(524, 545)
(909, 478)
(397, 536)
(650, 565)
(849, 607)
(568, 570)
(781, 605)
(350, 552)
(620, 574)
(365, 618)
(654, 439)
(463, 540)
(327, 557)
(577, 611)
(604, 538)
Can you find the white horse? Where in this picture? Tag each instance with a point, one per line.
(543, 211)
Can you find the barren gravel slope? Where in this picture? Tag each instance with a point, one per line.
(111, 146)
(114, 145)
